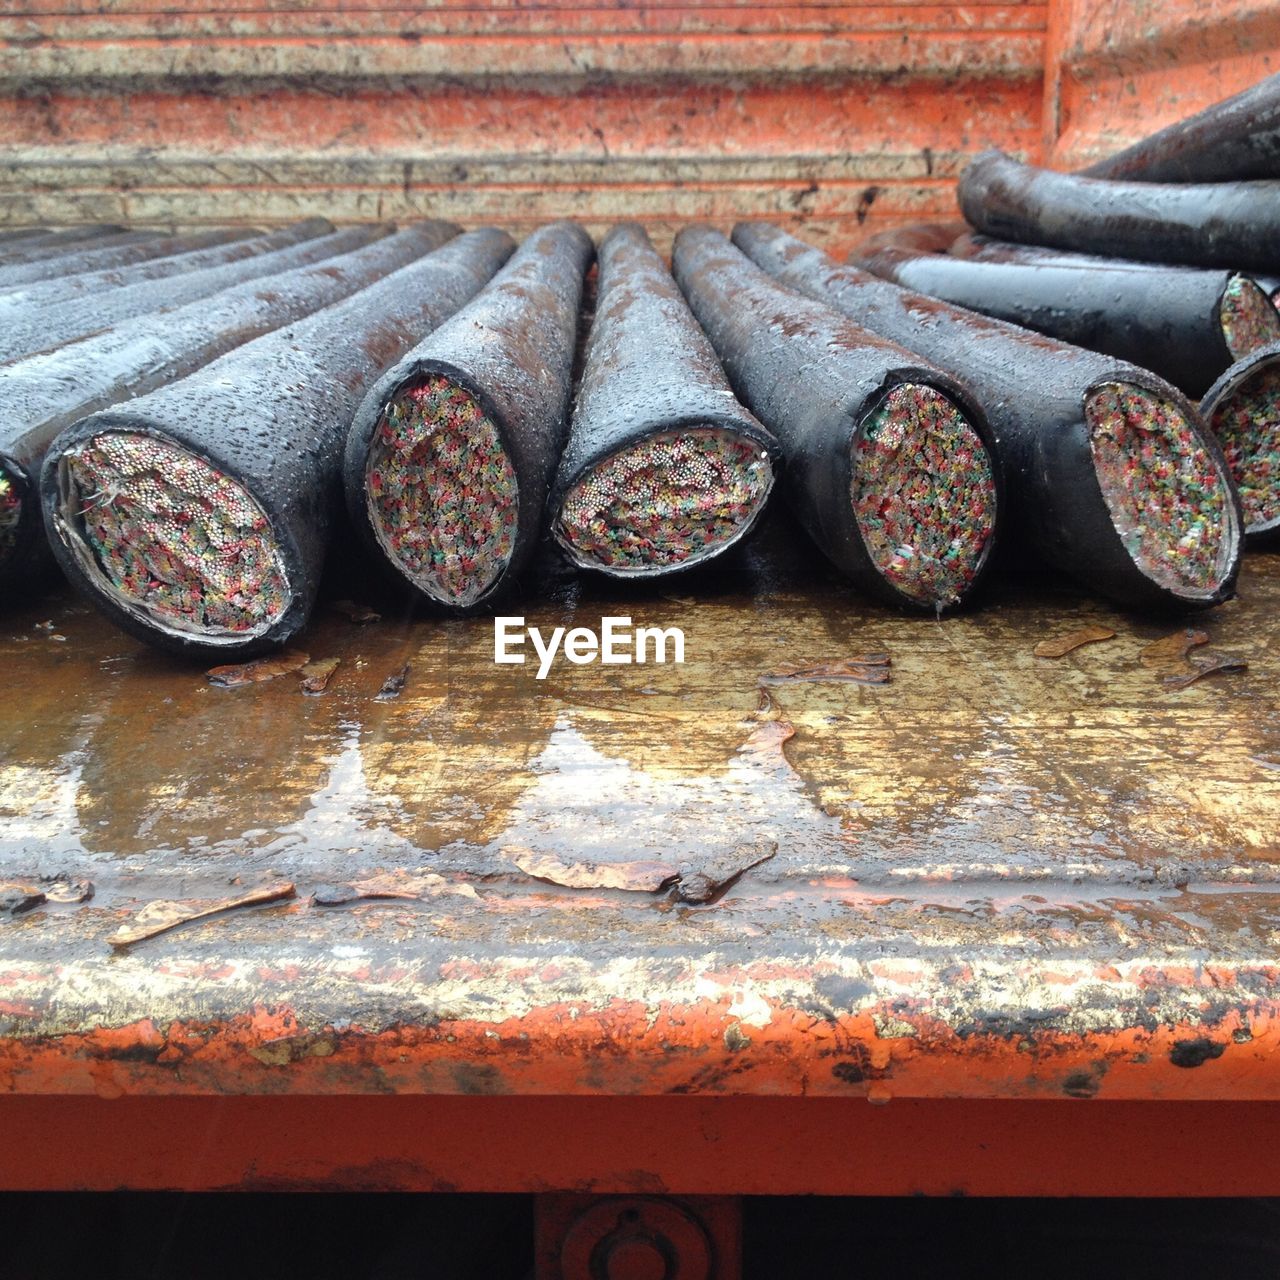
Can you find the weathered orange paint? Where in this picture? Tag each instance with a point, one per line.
(515, 114)
(632, 1048)
(886, 125)
(840, 114)
(1114, 73)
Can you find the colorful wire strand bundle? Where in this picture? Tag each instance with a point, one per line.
(1165, 495)
(924, 494)
(176, 537)
(443, 495)
(1249, 318)
(450, 452)
(1247, 424)
(671, 499)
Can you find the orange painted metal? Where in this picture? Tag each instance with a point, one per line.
(838, 118)
(631, 1048)
(646, 1146)
(840, 114)
(1114, 73)
(663, 154)
(849, 116)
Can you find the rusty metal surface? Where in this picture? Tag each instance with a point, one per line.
(52, 40)
(998, 875)
(511, 114)
(851, 116)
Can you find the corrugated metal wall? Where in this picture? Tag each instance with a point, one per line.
(848, 116)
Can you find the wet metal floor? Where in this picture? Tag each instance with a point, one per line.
(995, 874)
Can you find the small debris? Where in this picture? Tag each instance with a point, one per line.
(861, 668)
(357, 613)
(763, 747)
(697, 888)
(62, 888)
(1064, 645)
(639, 876)
(19, 896)
(393, 685)
(333, 895)
(1267, 762)
(1170, 652)
(241, 673)
(159, 917)
(316, 675)
(407, 885)
(716, 871)
(766, 703)
(1177, 667)
(1208, 663)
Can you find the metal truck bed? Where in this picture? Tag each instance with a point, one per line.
(753, 879)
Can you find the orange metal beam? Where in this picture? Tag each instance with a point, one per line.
(647, 1049)
(677, 1146)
